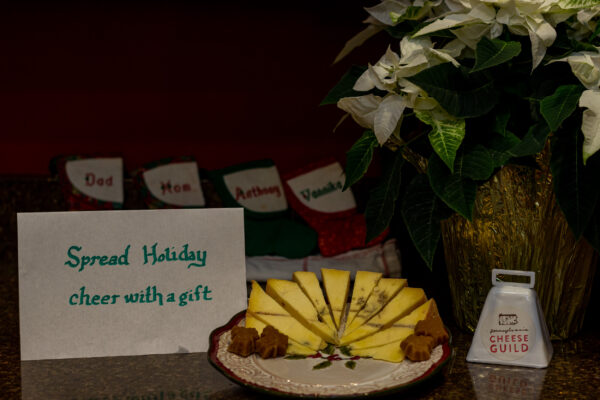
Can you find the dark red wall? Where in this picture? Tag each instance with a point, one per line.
(147, 80)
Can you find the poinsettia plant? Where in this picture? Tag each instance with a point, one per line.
(467, 87)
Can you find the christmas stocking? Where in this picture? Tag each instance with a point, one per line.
(269, 230)
(315, 193)
(171, 183)
(90, 183)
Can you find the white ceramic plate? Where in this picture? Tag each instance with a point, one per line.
(336, 375)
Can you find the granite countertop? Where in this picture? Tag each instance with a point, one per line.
(574, 372)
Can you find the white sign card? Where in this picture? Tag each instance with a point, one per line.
(108, 283)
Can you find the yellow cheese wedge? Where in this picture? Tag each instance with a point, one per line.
(384, 336)
(400, 329)
(289, 295)
(427, 310)
(390, 352)
(337, 285)
(252, 322)
(364, 282)
(267, 310)
(382, 293)
(293, 346)
(309, 283)
(298, 349)
(401, 305)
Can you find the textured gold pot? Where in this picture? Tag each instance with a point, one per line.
(517, 224)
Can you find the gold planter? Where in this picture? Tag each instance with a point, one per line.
(517, 224)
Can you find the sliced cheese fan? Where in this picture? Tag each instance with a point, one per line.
(381, 313)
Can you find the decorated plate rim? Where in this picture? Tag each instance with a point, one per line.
(447, 354)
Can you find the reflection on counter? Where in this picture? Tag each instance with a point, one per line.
(506, 383)
(153, 377)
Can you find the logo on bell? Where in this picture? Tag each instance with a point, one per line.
(509, 337)
(508, 319)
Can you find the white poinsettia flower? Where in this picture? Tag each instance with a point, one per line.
(470, 35)
(521, 17)
(381, 75)
(383, 11)
(585, 66)
(470, 13)
(590, 125)
(361, 108)
(585, 23)
(415, 97)
(390, 12)
(541, 36)
(384, 115)
(388, 116)
(457, 6)
(454, 48)
(585, 16)
(381, 114)
(417, 54)
(525, 18)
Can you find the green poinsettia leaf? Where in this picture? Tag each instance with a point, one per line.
(498, 147)
(502, 148)
(401, 30)
(475, 163)
(577, 46)
(596, 32)
(422, 212)
(382, 199)
(560, 105)
(501, 122)
(344, 87)
(532, 143)
(575, 185)
(571, 4)
(490, 53)
(461, 94)
(445, 136)
(411, 13)
(455, 190)
(359, 157)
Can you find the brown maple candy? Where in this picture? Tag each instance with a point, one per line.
(241, 331)
(433, 327)
(243, 341)
(417, 348)
(271, 343)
